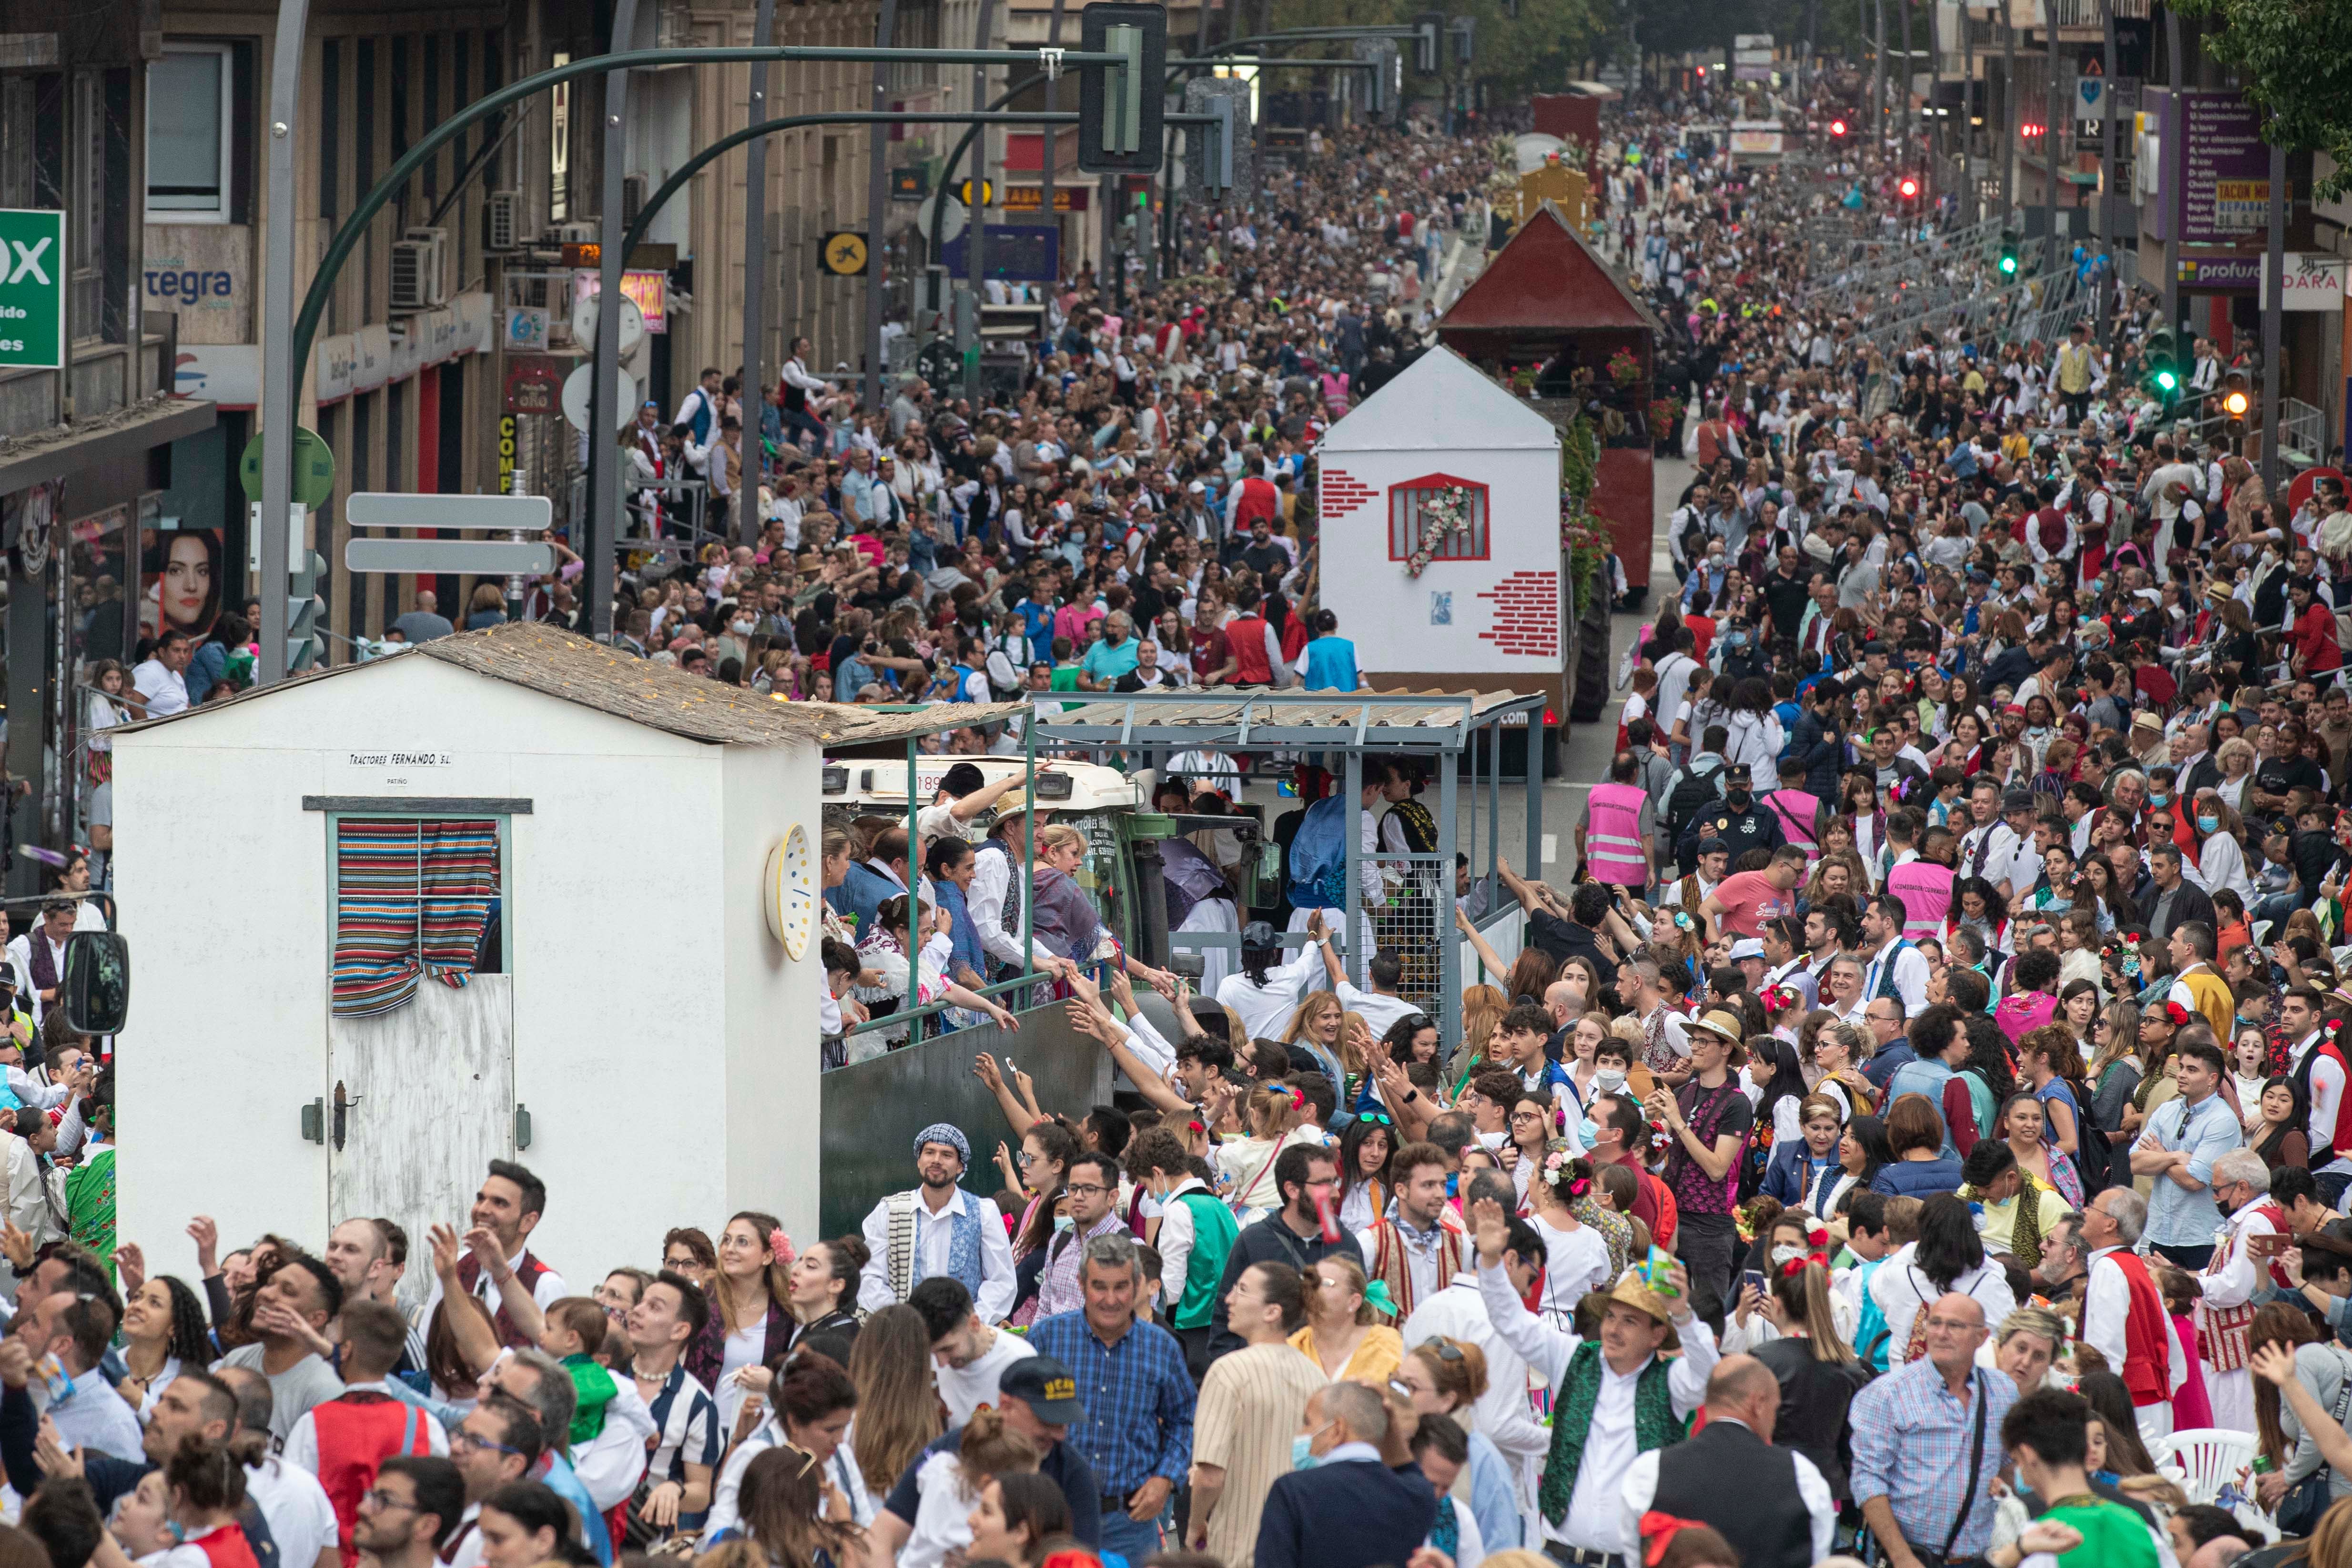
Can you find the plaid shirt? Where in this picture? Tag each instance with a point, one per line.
(1058, 1290)
(1139, 1400)
(1911, 1444)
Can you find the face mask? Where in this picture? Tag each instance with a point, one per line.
(2159, 798)
(1611, 1079)
(1152, 1207)
(1064, 1222)
(1588, 1133)
(2209, 824)
(1736, 640)
(1302, 1456)
(743, 628)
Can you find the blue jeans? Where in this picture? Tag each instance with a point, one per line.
(1123, 1535)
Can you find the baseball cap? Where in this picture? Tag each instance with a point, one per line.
(1747, 947)
(1046, 1385)
(1712, 847)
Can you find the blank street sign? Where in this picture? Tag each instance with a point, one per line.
(486, 557)
(377, 509)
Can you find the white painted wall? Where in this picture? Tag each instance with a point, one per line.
(631, 1014)
(1391, 615)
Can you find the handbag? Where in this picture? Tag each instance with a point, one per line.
(2307, 1500)
(1968, 1496)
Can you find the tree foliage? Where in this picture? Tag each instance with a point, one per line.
(2295, 60)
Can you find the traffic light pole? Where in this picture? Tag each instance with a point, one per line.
(593, 535)
(975, 234)
(755, 279)
(280, 382)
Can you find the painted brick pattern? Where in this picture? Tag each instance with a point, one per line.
(1526, 614)
(1342, 493)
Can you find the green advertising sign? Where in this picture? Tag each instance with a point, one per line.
(32, 289)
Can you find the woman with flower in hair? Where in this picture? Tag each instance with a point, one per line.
(1576, 1255)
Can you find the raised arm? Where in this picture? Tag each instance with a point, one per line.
(1479, 945)
(1537, 1343)
(984, 1068)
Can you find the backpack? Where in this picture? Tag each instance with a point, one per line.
(1690, 793)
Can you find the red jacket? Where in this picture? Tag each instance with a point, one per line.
(2315, 639)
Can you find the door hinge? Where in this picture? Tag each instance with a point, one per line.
(522, 1128)
(314, 1122)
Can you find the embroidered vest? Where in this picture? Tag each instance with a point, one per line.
(469, 1274)
(1654, 1423)
(964, 1245)
(1391, 1260)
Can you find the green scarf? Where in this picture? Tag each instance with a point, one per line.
(1655, 1425)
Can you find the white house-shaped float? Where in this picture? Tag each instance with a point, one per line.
(1486, 610)
(637, 1032)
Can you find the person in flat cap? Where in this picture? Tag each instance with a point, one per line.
(936, 1227)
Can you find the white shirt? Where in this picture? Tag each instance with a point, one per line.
(95, 1418)
(1575, 1262)
(968, 1387)
(1903, 1292)
(992, 885)
(2232, 1277)
(164, 691)
(1909, 969)
(724, 1514)
(1640, 1490)
(1174, 1241)
(1421, 1252)
(1459, 1312)
(1379, 1011)
(1594, 1521)
(2107, 1302)
(2327, 1096)
(934, 1241)
(302, 1443)
(610, 1464)
(296, 1508)
(1265, 1010)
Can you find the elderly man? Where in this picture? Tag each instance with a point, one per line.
(2124, 1316)
(1349, 1510)
(1926, 1439)
(1137, 1434)
(2232, 1278)
(1772, 1503)
(1111, 658)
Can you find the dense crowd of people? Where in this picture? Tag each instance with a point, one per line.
(1923, 1113)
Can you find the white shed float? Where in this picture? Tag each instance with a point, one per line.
(1440, 537)
(507, 895)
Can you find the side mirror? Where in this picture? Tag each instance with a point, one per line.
(96, 988)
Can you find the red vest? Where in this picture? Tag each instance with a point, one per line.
(356, 1434)
(2147, 1334)
(226, 1547)
(1245, 637)
(469, 1274)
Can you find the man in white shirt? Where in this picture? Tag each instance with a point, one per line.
(1601, 1375)
(936, 1227)
(2231, 1282)
(1894, 967)
(2112, 1223)
(39, 955)
(968, 1356)
(162, 682)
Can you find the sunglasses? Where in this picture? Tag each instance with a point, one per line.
(1445, 1349)
(1374, 1117)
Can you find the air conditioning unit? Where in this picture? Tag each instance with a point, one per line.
(634, 188)
(417, 269)
(501, 220)
(577, 234)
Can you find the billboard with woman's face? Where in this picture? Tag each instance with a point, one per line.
(180, 581)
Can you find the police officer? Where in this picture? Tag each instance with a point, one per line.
(1739, 820)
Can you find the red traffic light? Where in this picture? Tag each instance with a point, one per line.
(1837, 128)
(2029, 129)
(1907, 187)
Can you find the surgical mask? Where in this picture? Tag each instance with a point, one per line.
(2159, 798)
(1736, 640)
(743, 628)
(1064, 1222)
(1303, 1455)
(1588, 1131)
(2209, 824)
(1610, 1078)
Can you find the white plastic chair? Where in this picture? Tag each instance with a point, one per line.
(2204, 1460)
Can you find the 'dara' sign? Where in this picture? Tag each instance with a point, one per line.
(32, 289)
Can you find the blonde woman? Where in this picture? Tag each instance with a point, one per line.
(1343, 1335)
(1277, 1119)
(1314, 1029)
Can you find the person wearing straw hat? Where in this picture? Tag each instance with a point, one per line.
(1613, 1399)
(1708, 1119)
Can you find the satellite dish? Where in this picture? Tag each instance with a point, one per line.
(584, 322)
(576, 398)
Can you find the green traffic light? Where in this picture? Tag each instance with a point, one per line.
(2009, 265)
(2167, 380)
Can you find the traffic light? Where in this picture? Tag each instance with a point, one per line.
(1907, 187)
(1426, 26)
(1465, 30)
(2161, 353)
(2234, 404)
(1121, 109)
(306, 646)
(2029, 129)
(2007, 253)
(1837, 130)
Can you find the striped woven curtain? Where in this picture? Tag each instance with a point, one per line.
(411, 899)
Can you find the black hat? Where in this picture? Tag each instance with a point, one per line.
(1258, 934)
(1712, 847)
(1051, 1391)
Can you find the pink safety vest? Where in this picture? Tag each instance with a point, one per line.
(1612, 844)
(1926, 890)
(1797, 810)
